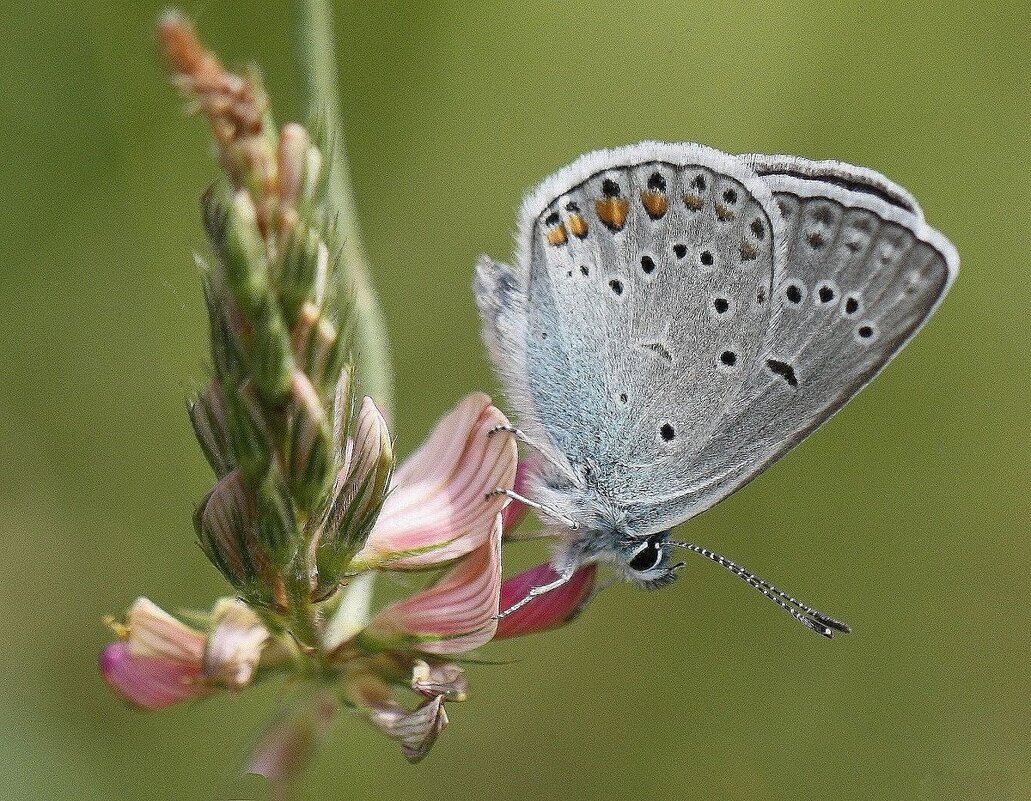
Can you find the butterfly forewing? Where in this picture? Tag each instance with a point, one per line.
(861, 275)
(648, 287)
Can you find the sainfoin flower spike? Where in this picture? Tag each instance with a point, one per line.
(306, 509)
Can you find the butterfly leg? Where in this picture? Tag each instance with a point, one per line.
(520, 435)
(563, 578)
(540, 507)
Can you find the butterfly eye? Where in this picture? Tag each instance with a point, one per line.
(648, 558)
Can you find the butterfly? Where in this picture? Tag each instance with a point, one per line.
(677, 319)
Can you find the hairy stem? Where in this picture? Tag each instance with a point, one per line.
(316, 55)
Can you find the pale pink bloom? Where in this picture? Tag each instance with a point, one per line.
(287, 746)
(439, 507)
(548, 611)
(159, 663)
(234, 645)
(456, 614)
(161, 660)
(147, 681)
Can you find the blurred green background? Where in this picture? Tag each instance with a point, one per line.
(907, 515)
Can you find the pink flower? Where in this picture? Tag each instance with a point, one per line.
(161, 661)
(456, 614)
(548, 611)
(439, 506)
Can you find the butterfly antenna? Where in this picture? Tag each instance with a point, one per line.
(812, 619)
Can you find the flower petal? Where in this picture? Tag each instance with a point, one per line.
(417, 732)
(438, 508)
(456, 614)
(547, 611)
(152, 632)
(446, 679)
(150, 682)
(234, 645)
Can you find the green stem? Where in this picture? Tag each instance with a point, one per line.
(316, 55)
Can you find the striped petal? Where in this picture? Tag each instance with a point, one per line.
(150, 682)
(438, 508)
(548, 611)
(456, 614)
(151, 631)
(415, 730)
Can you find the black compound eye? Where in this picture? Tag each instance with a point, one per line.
(647, 558)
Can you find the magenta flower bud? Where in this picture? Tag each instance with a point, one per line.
(548, 611)
(440, 506)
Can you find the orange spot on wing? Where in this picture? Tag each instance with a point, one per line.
(693, 202)
(613, 211)
(557, 235)
(577, 226)
(654, 203)
(723, 213)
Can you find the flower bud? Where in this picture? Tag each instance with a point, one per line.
(304, 270)
(310, 449)
(225, 323)
(317, 347)
(248, 432)
(231, 223)
(227, 530)
(288, 745)
(292, 162)
(442, 503)
(208, 417)
(358, 495)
